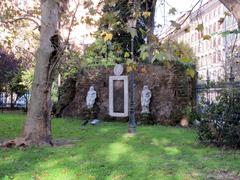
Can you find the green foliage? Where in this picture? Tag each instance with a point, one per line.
(131, 65)
(175, 24)
(158, 56)
(206, 37)
(178, 52)
(200, 27)
(115, 19)
(126, 54)
(188, 111)
(173, 52)
(132, 31)
(19, 29)
(70, 63)
(172, 11)
(144, 51)
(191, 114)
(147, 47)
(27, 78)
(11, 75)
(220, 121)
(226, 33)
(185, 60)
(146, 118)
(190, 72)
(102, 53)
(54, 92)
(16, 86)
(106, 151)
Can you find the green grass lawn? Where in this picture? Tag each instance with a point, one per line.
(107, 152)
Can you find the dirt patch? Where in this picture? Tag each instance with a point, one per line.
(223, 175)
(20, 143)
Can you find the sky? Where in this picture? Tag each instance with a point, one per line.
(181, 6)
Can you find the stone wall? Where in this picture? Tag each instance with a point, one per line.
(171, 92)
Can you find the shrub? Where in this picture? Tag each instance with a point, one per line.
(188, 111)
(220, 121)
(146, 118)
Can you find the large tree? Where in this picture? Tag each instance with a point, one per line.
(115, 19)
(37, 129)
(55, 15)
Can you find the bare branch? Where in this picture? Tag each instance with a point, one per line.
(20, 19)
(71, 24)
(185, 19)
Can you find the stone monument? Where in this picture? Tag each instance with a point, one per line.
(145, 99)
(91, 97)
(118, 93)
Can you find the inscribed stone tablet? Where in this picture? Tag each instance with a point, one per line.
(118, 96)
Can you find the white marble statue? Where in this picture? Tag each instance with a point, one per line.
(91, 97)
(145, 99)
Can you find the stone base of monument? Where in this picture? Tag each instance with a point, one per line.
(146, 118)
(92, 113)
(113, 119)
(95, 122)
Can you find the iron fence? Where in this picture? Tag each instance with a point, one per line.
(210, 90)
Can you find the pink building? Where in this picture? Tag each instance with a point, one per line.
(213, 55)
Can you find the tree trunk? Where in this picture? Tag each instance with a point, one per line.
(37, 128)
(11, 99)
(150, 28)
(234, 7)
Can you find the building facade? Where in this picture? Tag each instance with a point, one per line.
(207, 31)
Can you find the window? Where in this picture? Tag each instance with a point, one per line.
(210, 29)
(219, 56)
(219, 41)
(199, 35)
(206, 32)
(219, 10)
(214, 75)
(210, 59)
(205, 59)
(214, 58)
(219, 27)
(214, 27)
